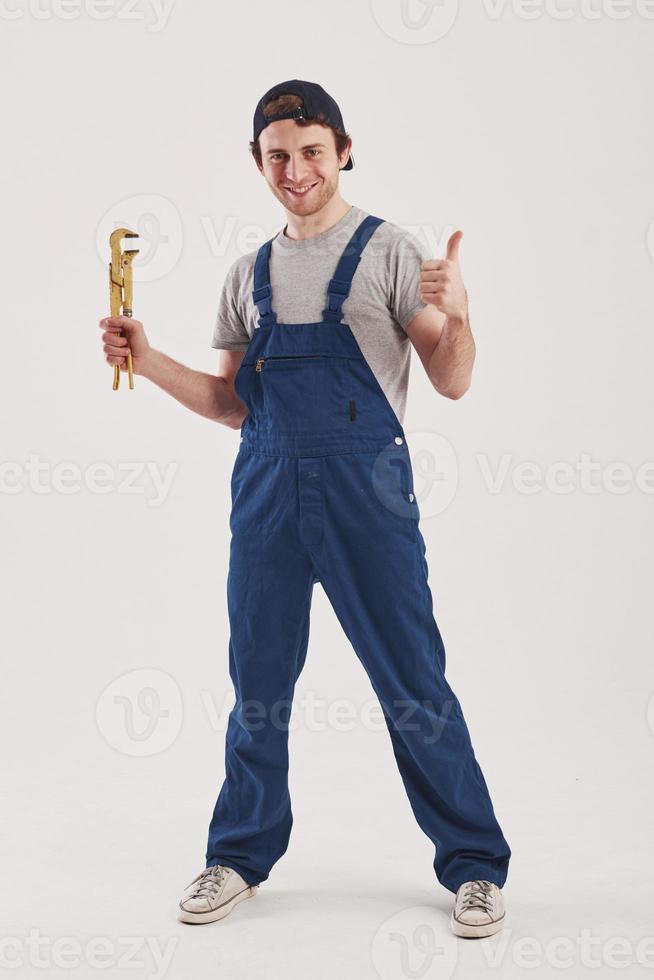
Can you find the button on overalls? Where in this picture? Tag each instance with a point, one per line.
(322, 490)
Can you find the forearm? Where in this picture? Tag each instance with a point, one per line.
(207, 394)
(450, 365)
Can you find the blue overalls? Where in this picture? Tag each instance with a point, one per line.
(322, 490)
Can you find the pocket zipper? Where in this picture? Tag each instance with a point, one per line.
(292, 357)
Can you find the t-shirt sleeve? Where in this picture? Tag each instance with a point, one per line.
(230, 332)
(406, 257)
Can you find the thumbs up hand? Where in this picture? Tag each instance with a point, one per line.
(441, 283)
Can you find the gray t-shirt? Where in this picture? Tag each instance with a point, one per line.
(384, 298)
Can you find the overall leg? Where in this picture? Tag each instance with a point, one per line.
(371, 562)
(269, 588)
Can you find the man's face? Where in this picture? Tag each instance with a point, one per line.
(300, 164)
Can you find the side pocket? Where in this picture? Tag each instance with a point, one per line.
(238, 462)
(406, 480)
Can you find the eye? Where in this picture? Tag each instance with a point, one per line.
(314, 151)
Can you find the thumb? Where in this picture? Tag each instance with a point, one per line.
(453, 246)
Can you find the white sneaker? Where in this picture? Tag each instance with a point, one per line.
(478, 910)
(213, 894)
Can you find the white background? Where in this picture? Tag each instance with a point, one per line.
(527, 127)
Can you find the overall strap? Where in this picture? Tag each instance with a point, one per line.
(339, 287)
(262, 292)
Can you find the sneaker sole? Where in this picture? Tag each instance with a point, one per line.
(219, 913)
(467, 931)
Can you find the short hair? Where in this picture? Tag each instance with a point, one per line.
(286, 103)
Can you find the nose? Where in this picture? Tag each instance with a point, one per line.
(295, 171)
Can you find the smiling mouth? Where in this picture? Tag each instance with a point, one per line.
(301, 190)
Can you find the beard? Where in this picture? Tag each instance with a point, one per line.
(310, 203)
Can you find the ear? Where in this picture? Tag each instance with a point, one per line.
(345, 156)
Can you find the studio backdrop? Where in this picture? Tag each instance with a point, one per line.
(528, 127)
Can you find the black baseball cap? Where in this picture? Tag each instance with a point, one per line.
(314, 100)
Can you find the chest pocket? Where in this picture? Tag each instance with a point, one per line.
(306, 393)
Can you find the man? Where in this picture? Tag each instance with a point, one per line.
(322, 490)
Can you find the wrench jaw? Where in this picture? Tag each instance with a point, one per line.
(121, 288)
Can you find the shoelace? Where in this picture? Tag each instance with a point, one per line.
(476, 895)
(210, 879)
